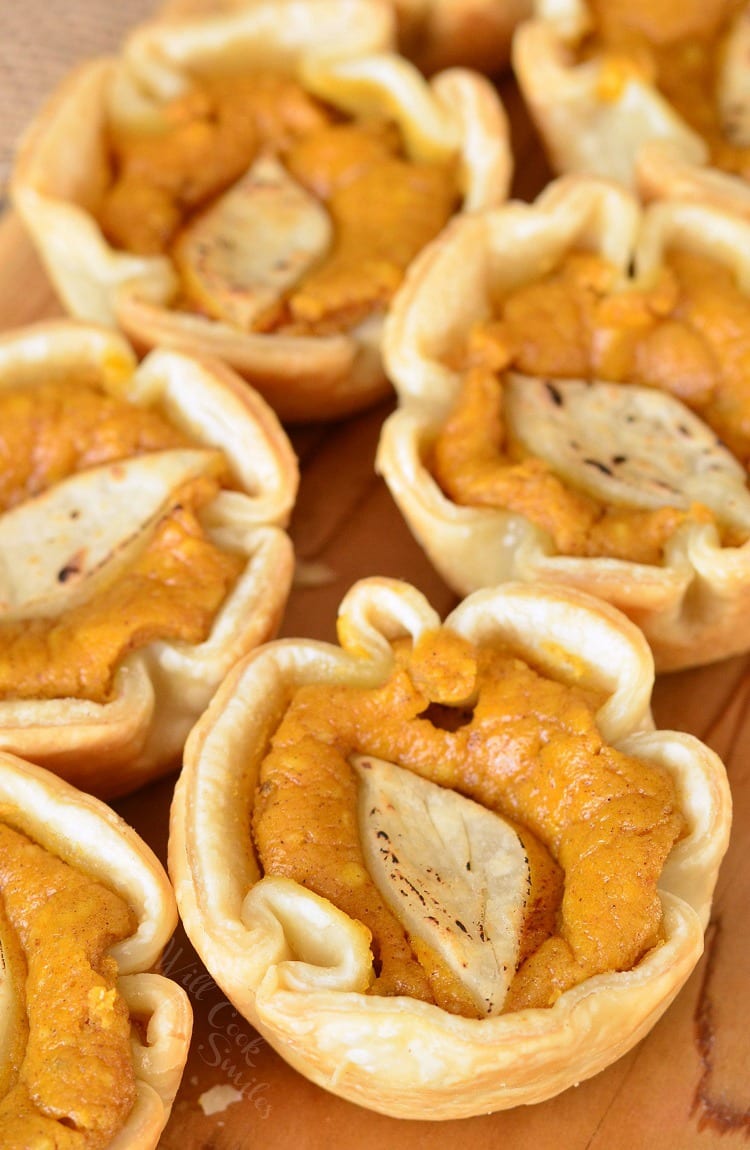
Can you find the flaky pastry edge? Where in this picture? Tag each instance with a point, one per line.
(295, 966)
(693, 608)
(61, 171)
(87, 834)
(635, 138)
(114, 747)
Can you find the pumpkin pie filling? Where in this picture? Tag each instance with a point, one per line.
(686, 333)
(57, 428)
(596, 824)
(173, 588)
(383, 207)
(68, 1080)
(677, 47)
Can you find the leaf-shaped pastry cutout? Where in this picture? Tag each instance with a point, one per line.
(238, 257)
(52, 546)
(454, 873)
(627, 445)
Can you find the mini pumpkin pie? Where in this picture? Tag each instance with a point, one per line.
(573, 407)
(142, 512)
(652, 95)
(94, 1041)
(448, 867)
(234, 184)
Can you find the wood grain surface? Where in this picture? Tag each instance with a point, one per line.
(687, 1085)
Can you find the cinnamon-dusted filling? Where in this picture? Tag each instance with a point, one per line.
(597, 825)
(383, 207)
(687, 334)
(68, 1080)
(172, 590)
(679, 48)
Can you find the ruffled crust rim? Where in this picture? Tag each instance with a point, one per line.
(693, 608)
(86, 833)
(637, 139)
(55, 188)
(114, 747)
(296, 967)
(435, 34)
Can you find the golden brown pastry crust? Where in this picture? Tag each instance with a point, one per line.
(87, 834)
(302, 986)
(56, 186)
(693, 608)
(114, 747)
(637, 138)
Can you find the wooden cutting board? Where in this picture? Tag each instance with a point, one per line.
(688, 1083)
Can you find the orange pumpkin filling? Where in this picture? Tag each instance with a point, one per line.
(383, 206)
(677, 47)
(597, 824)
(68, 1079)
(55, 429)
(173, 589)
(687, 333)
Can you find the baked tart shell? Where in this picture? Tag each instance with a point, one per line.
(635, 137)
(693, 606)
(293, 964)
(84, 832)
(56, 185)
(136, 733)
